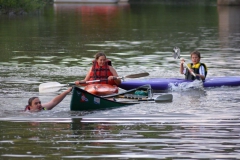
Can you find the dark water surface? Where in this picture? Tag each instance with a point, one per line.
(58, 45)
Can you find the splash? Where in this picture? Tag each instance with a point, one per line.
(185, 86)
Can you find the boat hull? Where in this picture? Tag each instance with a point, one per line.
(164, 83)
(82, 100)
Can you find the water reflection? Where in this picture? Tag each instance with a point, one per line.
(166, 135)
(229, 25)
(90, 9)
(97, 16)
(163, 134)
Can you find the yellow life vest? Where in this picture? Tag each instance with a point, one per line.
(195, 69)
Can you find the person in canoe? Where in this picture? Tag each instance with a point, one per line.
(35, 105)
(106, 75)
(200, 69)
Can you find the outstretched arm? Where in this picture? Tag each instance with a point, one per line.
(56, 100)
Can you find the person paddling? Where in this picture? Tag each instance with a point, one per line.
(35, 105)
(200, 69)
(101, 70)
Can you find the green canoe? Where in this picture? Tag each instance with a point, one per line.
(83, 100)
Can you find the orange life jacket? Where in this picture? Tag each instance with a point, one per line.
(101, 73)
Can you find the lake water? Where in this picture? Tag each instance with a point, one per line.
(59, 43)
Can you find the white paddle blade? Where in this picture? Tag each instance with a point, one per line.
(164, 98)
(50, 87)
(176, 53)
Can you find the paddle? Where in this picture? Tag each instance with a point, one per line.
(164, 98)
(138, 75)
(130, 94)
(56, 86)
(158, 99)
(176, 55)
(161, 98)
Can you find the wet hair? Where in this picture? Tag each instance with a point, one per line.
(30, 100)
(29, 103)
(99, 54)
(196, 53)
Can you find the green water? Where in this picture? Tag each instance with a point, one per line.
(58, 44)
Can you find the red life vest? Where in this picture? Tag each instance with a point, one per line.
(101, 73)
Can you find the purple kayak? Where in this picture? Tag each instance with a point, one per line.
(163, 83)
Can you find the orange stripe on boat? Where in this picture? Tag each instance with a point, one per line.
(101, 89)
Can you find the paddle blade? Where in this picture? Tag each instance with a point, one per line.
(137, 75)
(164, 98)
(50, 87)
(176, 53)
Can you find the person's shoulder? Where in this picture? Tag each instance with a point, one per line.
(203, 67)
(203, 64)
(110, 67)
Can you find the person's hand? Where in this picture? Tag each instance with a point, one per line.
(182, 61)
(112, 78)
(198, 77)
(80, 82)
(69, 89)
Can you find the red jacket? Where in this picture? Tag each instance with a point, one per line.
(101, 73)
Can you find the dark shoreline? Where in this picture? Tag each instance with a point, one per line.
(22, 7)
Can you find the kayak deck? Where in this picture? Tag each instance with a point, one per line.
(101, 89)
(164, 83)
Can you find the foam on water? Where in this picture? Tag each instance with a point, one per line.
(185, 86)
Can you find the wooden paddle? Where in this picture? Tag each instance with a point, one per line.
(56, 86)
(176, 55)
